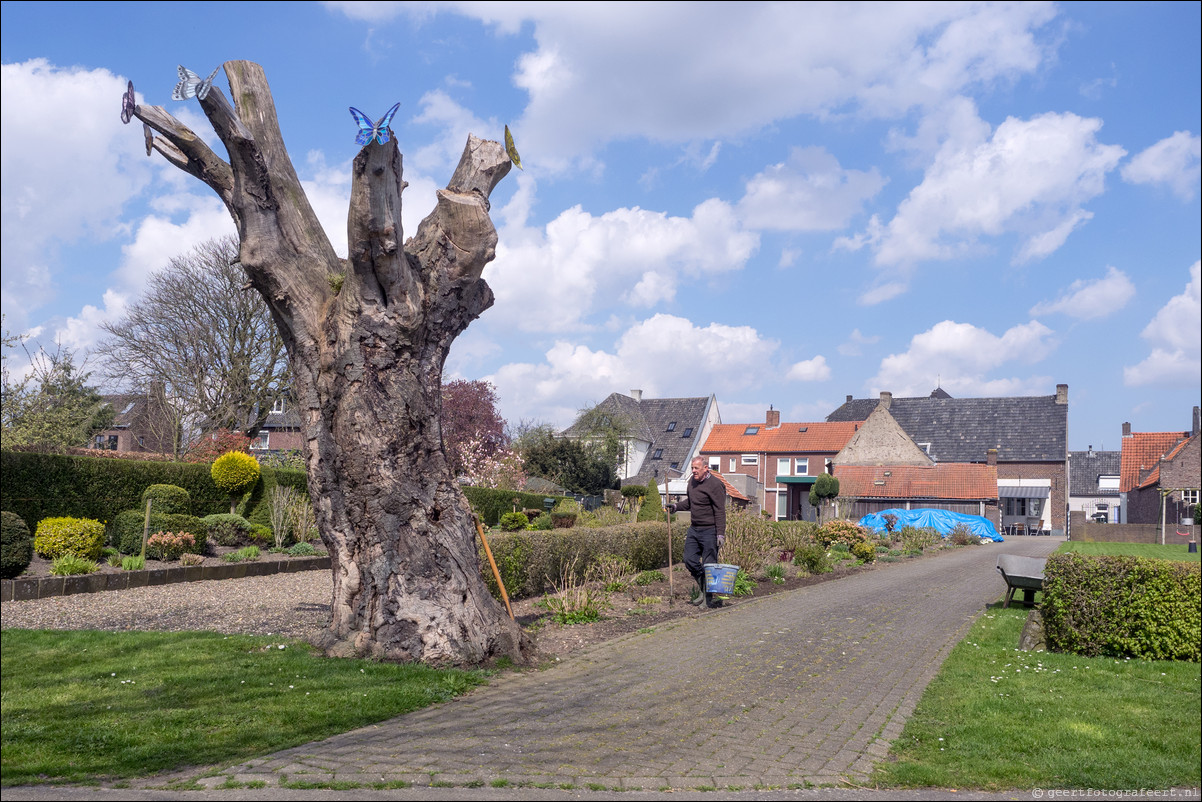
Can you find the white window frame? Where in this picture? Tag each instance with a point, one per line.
(732, 465)
(782, 505)
(277, 406)
(750, 459)
(783, 466)
(1189, 496)
(801, 466)
(262, 442)
(716, 464)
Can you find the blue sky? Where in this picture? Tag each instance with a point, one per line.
(775, 203)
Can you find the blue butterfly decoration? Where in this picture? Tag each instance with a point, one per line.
(128, 104)
(191, 85)
(369, 130)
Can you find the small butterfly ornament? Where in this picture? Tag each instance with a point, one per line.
(191, 85)
(512, 150)
(149, 138)
(369, 130)
(128, 104)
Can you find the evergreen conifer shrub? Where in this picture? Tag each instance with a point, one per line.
(16, 545)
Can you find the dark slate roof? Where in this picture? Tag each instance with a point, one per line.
(1084, 468)
(1022, 428)
(127, 406)
(651, 418)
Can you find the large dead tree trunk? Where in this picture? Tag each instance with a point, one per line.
(367, 338)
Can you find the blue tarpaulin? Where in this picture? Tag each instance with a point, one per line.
(942, 521)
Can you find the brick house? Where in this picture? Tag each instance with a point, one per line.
(282, 429)
(1159, 472)
(1029, 434)
(1093, 484)
(140, 425)
(665, 433)
(784, 459)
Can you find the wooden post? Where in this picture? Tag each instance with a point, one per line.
(146, 527)
(493, 563)
(671, 568)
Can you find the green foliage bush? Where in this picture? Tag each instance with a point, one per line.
(55, 537)
(125, 530)
(633, 491)
(71, 565)
(652, 508)
(864, 551)
(227, 530)
(841, 531)
(530, 562)
(1123, 607)
(16, 545)
(542, 522)
(961, 535)
(304, 549)
(490, 504)
(914, 539)
(514, 521)
(170, 499)
(235, 472)
(794, 535)
(813, 559)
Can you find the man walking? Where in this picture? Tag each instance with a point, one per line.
(705, 501)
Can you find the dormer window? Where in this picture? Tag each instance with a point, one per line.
(688, 432)
(672, 426)
(278, 406)
(659, 453)
(751, 430)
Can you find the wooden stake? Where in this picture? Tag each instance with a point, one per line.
(146, 527)
(493, 563)
(671, 568)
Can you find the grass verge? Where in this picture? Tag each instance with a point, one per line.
(86, 706)
(1176, 551)
(996, 717)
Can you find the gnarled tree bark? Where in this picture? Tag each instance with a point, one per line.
(367, 337)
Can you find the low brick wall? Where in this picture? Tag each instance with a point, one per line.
(44, 587)
(1127, 533)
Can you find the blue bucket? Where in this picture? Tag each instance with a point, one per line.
(720, 578)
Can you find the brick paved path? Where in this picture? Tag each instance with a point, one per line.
(806, 686)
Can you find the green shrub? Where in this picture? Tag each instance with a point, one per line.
(169, 546)
(612, 571)
(235, 472)
(1123, 607)
(776, 572)
(514, 521)
(304, 549)
(652, 508)
(227, 530)
(961, 535)
(490, 504)
(914, 540)
(633, 491)
(744, 584)
(248, 553)
(649, 577)
(260, 534)
(125, 530)
(864, 552)
(793, 535)
(813, 559)
(56, 537)
(170, 499)
(136, 563)
(841, 531)
(542, 522)
(750, 540)
(16, 545)
(71, 565)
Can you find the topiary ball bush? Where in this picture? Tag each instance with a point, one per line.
(235, 472)
(227, 530)
(514, 521)
(169, 499)
(55, 537)
(16, 545)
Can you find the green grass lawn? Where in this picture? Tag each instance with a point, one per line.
(997, 718)
(89, 706)
(1174, 551)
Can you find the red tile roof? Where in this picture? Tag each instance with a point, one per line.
(1154, 476)
(788, 438)
(730, 489)
(1142, 450)
(944, 480)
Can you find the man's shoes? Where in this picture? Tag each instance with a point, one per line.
(710, 602)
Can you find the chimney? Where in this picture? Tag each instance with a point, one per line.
(886, 399)
(1061, 393)
(848, 399)
(637, 395)
(1126, 430)
(991, 457)
(773, 418)
(1195, 429)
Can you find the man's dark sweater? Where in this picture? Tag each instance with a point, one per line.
(705, 502)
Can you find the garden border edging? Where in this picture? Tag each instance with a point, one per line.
(48, 586)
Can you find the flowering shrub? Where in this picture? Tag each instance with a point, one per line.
(500, 469)
(168, 546)
(841, 531)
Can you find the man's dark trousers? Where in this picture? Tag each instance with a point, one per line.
(700, 547)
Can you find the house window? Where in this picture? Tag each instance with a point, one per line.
(261, 442)
(802, 467)
(732, 465)
(672, 426)
(716, 464)
(131, 405)
(688, 432)
(277, 407)
(112, 446)
(782, 506)
(141, 442)
(751, 430)
(675, 465)
(1016, 506)
(98, 442)
(1189, 496)
(925, 447)
(782, 467)
(659, 452)
(751, 459)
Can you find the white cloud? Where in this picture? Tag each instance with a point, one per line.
(854, 341)
(159, 238)
(1175, 161)
(810, 370)
(580, 262)
(61, 180)
(718, 75)
(1176, 337)
(959, 357)
(1030, 178)
(1088, 299)
(811, 192)
(662, 355)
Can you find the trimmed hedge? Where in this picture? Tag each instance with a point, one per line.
(1123, 607)
(16, 545)
(491, 504)
(38, 486)
(125, 530)
(531, 561)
